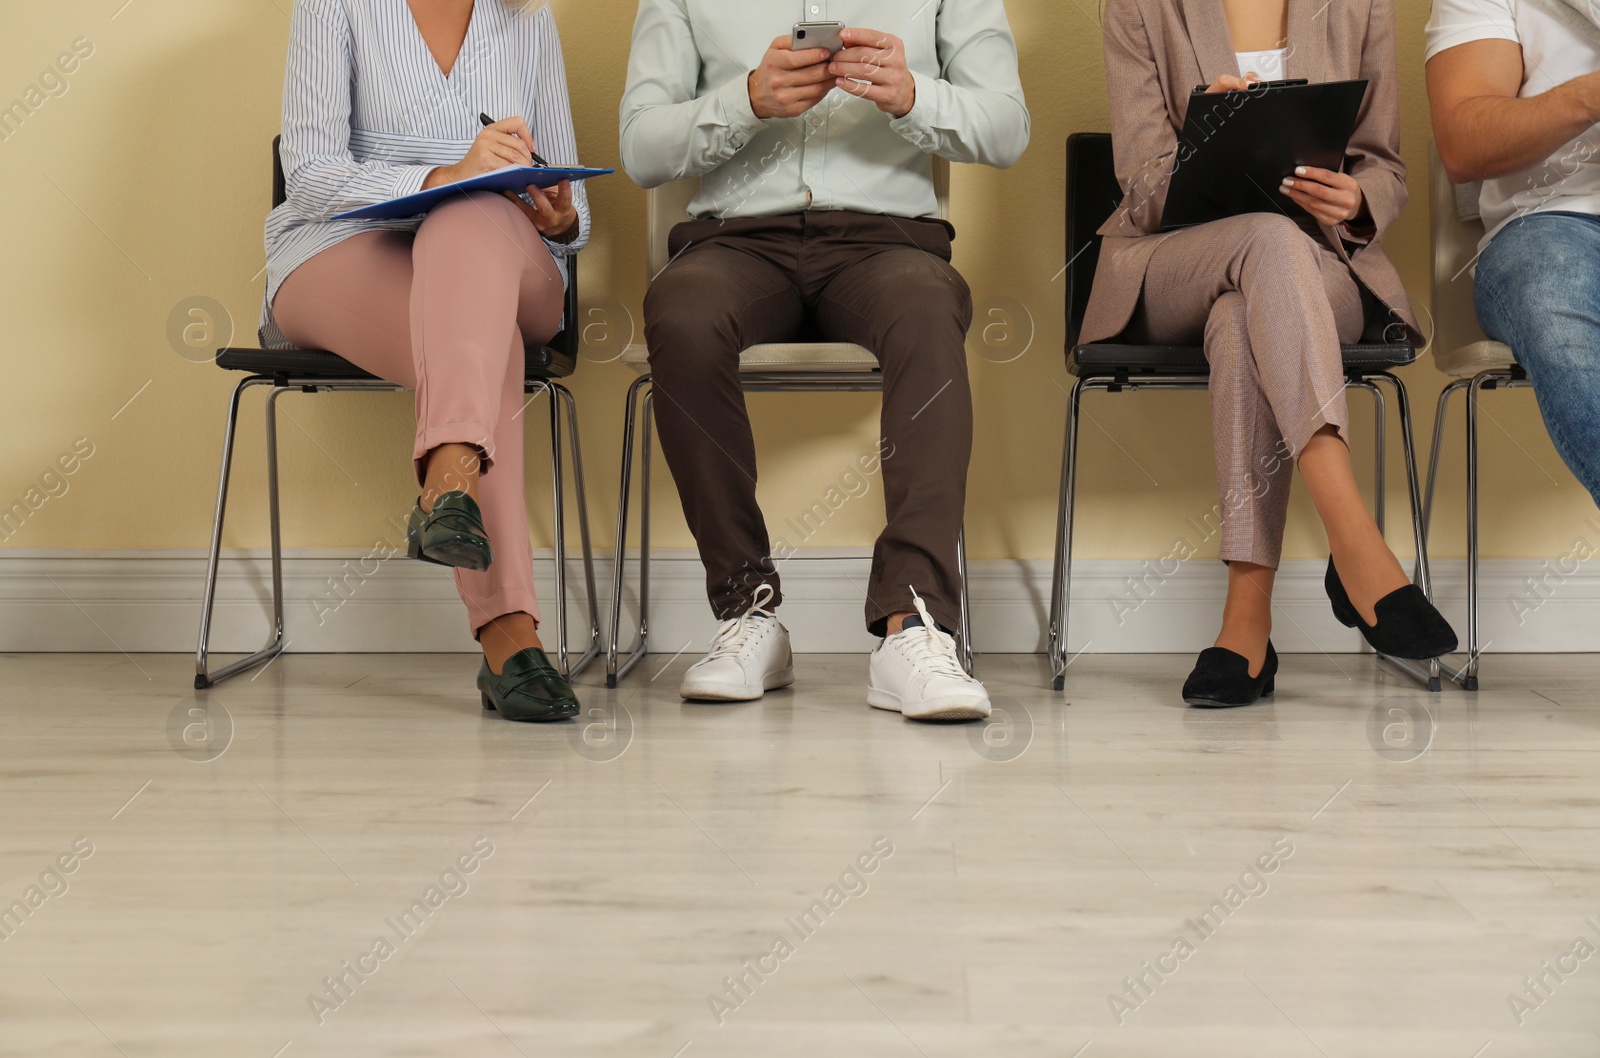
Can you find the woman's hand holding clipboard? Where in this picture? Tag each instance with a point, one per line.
(1266, 147)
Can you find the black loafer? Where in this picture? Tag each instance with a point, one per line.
(452, 534)
(1221, 679)
(1408, 625)
(528, 688)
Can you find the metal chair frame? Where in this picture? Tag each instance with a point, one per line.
(1457, 333)
(1473, 387)
(560, 399)
(359, 382)
(1115, 380)
(637, 425)
(1061, 583)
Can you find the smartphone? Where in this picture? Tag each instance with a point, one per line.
(808, 35)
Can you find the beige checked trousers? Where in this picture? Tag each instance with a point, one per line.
(1273, 304)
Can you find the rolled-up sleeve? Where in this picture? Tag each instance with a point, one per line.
(668, 133)
(974, 111)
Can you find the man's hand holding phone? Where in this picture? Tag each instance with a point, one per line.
(873, 67)
(788, 83)
(868, 63)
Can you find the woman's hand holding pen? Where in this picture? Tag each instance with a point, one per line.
(509, 142)
(504, 143)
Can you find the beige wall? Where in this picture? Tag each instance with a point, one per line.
(144, 184)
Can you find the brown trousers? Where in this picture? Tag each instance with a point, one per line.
(1273, 304)
(884, 283)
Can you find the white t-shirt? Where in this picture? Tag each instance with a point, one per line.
(1267, 65)
(1553, 53)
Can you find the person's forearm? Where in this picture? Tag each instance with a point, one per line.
(322, 187)
(966, 125)
(578, 238)
(1485, 137)
(670, 130)
(445, 174)
(973, 109)
(664, 141)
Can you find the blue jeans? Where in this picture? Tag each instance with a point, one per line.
(1538, 291)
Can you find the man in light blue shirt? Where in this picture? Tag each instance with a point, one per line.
(817, 218)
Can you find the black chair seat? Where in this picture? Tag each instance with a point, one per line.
(1111, 357)
(543, 362)
(1093, 193)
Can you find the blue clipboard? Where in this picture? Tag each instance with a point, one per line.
(516, 179)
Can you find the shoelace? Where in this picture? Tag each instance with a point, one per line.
(734, 635)
(933, 648)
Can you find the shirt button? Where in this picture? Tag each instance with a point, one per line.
(816, 122)
(816, 10)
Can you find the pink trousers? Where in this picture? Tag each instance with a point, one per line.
(1272, 306)
(446, 312)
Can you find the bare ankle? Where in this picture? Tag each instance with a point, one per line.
(450, 468)
(1247, 639)
(505, 637)
(1369, 571)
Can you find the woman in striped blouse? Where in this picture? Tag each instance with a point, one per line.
(381, 99)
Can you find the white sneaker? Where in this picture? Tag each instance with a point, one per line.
(749, 656)
(916, 672)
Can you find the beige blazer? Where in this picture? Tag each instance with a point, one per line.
(1157, 51)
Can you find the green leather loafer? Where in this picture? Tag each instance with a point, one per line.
(452, 534)
(528, 688)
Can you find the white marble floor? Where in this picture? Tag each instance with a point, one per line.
(372, 867)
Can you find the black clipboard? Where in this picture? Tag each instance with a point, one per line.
(1237, 147)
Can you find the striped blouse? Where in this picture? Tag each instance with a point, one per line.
(367, 115)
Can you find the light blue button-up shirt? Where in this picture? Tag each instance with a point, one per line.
(686, 110)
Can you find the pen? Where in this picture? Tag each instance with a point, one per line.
(487, 121)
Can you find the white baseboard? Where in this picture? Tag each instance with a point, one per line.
(146, 601)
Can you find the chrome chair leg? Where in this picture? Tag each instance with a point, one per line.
(276, 642)
(1438, 444)
(646, 479)
(1408, 443)
(1460, 676)
(615, 664)
(1061, 581)
(1380, 448)
(1380, 414)
(274, 509)
(592, 646)
(1469, 671)
(1467, 675)
(965, 631)
(558, 521)
(1419, 531)
(203, 677)
(1380, 457)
